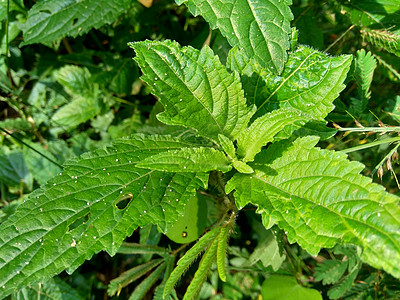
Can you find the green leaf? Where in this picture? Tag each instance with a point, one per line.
(188, 160)
(191, 224)
(227, 146)
(320, 199)
(221, 251)
(194, 87)
(188, 258)
(75, 80)
(133, 248)
(51, 20)
(79, 212)
(52, 289)
(13, 169)
(263, 130)
(131, 275)
(365, 66)
(311, 80)
(286, 287)
(330, 271)
(260, 28)
(16, 124)
(242, 167)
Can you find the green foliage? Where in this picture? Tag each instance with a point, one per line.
(52, 20)
(223, 142)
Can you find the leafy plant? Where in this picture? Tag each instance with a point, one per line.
(221, 138)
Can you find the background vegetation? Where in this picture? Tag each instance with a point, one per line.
(78, 89)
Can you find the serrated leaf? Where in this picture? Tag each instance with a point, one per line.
(52, 289)
(261, 28)
(194, 87)
(76, 214)
(330, 271)
(51, 20)
(319, 198)
(75, 80)
(188, 160)
(310, 82)
(263, 130)
(227, 146)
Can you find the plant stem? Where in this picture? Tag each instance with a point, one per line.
(372, 144)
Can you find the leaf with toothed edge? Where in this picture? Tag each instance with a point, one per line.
(195, 88)
(78, 213)
(319, 198)
(261, 28)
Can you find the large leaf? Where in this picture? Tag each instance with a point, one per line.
(310, 81)
(263, 130)
(320, 199)
(261, 28)
(51, 20)
(84, 210)
(188, 160)
(194, 87)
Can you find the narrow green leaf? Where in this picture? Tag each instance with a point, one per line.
(319, 198)
(188, 160)
(78, 213)
(221, 252)
(131, 275)
(242, 167)
(263, 130)
(194, 87)
(134, 248)
(51, 20)
(227, 146)
(140, 291)
(188, 258)
(311, 81)
(260, 28)
(201, 273)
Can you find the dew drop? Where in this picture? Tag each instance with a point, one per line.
(75, 181)
(379, 214)
(87, 203)
(287, 211)
(116, 159)
(163, 209)
(27, 263)
(104, 169)
(41, 209)
(130, 162)
(144, 211)
(60, 174)
(94, 237)
(177, 199)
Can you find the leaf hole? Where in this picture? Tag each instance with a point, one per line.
(81, 220)
(45, 11)
(74, 21)
(124, 201)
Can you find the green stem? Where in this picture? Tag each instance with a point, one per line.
(372, 144)
(370, 129)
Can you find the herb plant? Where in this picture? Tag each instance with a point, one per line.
(242, 133)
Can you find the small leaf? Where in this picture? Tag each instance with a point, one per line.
(13, 169)
(52, 20)
(330, 271)
(319, 198)
(195, 88)
(242, 167)
(286, 287)
(311, 81)
(134, 248)
(260, 28)
(227, 145)
(201, 273)
(188, 160)
(221, 252)
(263, 130)
(131, 275)
(188, 258)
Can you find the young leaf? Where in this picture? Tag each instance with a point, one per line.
(365, 66)
(201, 273)
(77, 214)
(131, 275)
(188, 258)
(221, 252)
(52, 20)
(188, 160)
(263, 130)
(227, 146)
(194, 87)
(260, 28)
(319, 199)
(310, 82)
(242, 167)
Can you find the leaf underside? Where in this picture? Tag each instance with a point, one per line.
(320, 199)
(195, 88)
(49, 21)
(310, 82)
(77, 213)
(260, 28)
